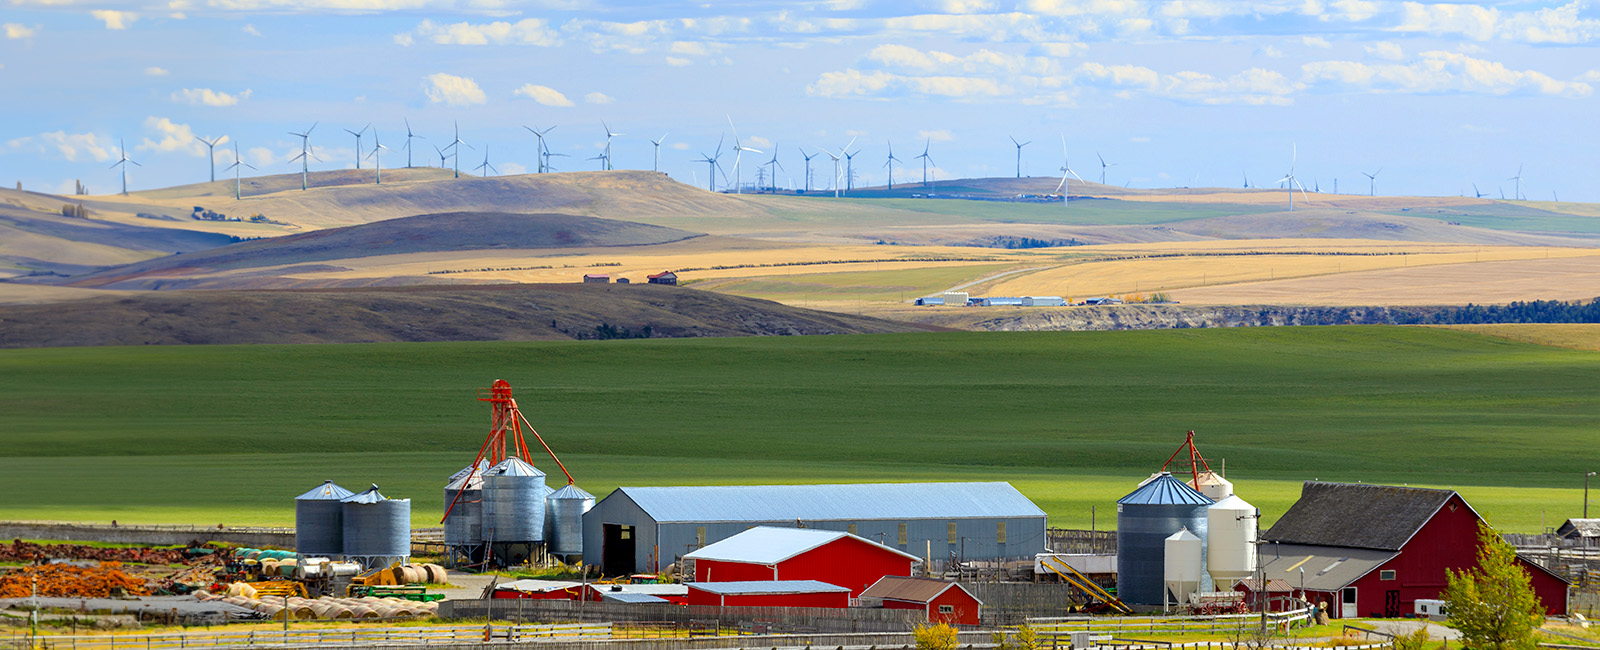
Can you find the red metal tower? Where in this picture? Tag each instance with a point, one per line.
(505, 435)
(1196, 461)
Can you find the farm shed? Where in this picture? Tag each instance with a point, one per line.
(943, 602)
(1582, 532)
(664, 277)
(646, 529)
(1043, 301)
(769, 593)
(929, 301)
(1374, 550)
(539, 589)
(831, 556)
(1279, 595)
(596, 278)
(677, 594)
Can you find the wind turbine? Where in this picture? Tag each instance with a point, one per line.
(377, 159)
(656, 166)
(357, 134)
(442, 156)
(1103, 166)
(547, 156)
(455, 148)
(237, 163)
(485, 168)
(305, 154)
(889, 164)
(409, 136)
(1372, 187)
(1517, 193)
(738, 150)
(836, 164)
(1066, 170)
(544, 153)
(211, 153)
(776, 166)
(926, 159)
(850, 169)
(1020, 145)
(122, 161)
(1293, 182)
(1246, 180)
(709, 159)
(609, 136)
(808, 158)
(1475, 193)
(605, 161)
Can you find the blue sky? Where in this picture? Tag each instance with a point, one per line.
(1174, 92)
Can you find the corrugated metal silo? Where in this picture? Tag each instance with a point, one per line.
(1145, 518)
(377, 529)
(513, 502)
(319, 520)
(564, 510)
(464, 524)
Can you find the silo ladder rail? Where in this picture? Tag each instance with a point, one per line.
(1084, 584)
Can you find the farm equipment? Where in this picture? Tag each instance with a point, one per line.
(416, 593)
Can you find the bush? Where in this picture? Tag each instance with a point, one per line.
(935, 637)
(1415, 640)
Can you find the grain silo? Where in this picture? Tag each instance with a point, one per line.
(463, 502)
(377, 529)
(1231, 541)
(513, 510)
(1160, 507)
(1182, 567)
(319, 520)
(564, 510)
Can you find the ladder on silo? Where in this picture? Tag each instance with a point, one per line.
(1084, 584)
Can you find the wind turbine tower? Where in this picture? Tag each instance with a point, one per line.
(607, 156)
(358, 134)
(544, 153)
(1372, 182)
(305, 154)
(926, 160)
(850, 169)
(738, 150)
(1020, 145)
(377, 158)
(455, 148)
(1292, 181)
(808, 158)
(237, 163)
(409, 136)
(1517, 193)
(775, 165)
(1103, 166)
(485, 168)
(889, 164)
(1066, 170)
(442, 156)
(656, 166)
(122, 161)
(211, 153)
(711, 161)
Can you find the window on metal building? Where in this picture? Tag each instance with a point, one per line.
(700, 535)
(902, 533)
(1000, 532)
(954, 536)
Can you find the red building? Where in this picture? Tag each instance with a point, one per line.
(539, 590)
(769, 553)
(676, 594)
(769, 593)
(664, 277)
(943, 602)
(1278, 596)
(1374, 550)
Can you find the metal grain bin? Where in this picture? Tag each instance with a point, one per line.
(513, 502)
(319, 520)
(463, 526)
(1145, 519)
(564, 510)
(377, 529)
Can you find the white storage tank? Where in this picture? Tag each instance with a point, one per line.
(1213, 485)
(1231, 543)
(1182, 565)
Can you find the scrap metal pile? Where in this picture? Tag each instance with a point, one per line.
(20, 551)
(102, 581)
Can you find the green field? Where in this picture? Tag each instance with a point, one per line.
(229, 434)
(1503, 215)
(893, 285)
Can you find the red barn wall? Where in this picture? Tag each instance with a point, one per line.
(720, 571)
(846, 562)
(836, 599)
(965, 605)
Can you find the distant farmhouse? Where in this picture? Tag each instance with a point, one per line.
(664, 277)
(596, 278)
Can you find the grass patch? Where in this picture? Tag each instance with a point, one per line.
(229, 434)
(1087, 212)
(895, 285)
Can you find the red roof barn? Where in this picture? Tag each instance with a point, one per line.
(1374, 550)
(664, 277)
(770, 553)
(943, 602)
(769, 593)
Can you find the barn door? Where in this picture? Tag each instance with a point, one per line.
(1347, 603)
(1391, 603)
(617, 550)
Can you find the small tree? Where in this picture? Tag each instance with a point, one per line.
(1025, 638)
(935, 637)
(1493, 604)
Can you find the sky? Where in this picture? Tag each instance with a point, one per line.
(1430, 97)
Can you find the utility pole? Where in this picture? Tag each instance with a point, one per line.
(1586, 494)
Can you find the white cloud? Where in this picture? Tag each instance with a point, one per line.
(758, 141)
(114, 19)
(680, 146)
(1386, 50)
(173, 137)
(512, 169)
(70, 146)
(542, 94)
(1443, 72)
(17, 30)
(1350, 10)
(452, 90)
(209, 97)
(1315, 41)
(1561, 25)
(1473, 21)
(691, 48)
(940, 135)
(907, 59)
(261, 155)
(404, 39)
(1270, 52)
(1592, 76)
(528, 31)
(678, 62)
(251, 30)
(1062, 50)
(597, 98)
(964, 6)
(154, 71)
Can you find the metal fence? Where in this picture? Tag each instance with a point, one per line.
(356, 637)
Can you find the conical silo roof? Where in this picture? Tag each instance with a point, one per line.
(1166, 490)
(482, 466)
(515, 467)
(371, 495)
(570, 492)
(328, 491)
(466, 479)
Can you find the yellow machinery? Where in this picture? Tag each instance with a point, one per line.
(284, 588)
(1084, 584)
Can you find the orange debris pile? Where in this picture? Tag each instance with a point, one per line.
(66, 580)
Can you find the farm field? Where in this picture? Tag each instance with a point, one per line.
(1568, 278)
(229, 434)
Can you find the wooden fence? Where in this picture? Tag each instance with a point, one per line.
(1123, 625)
(309, 638)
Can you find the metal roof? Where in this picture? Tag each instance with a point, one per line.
(1327, 568)
(1357, 515)
(1165, 490)
(328, 491)
(570, 492)
(767, 587)
(652, 588)
(915, 590)
(514, 467)
(630, 597)
(459, 479)
(370, 495)
(1578, 527)
(771, 545)
(538, 586)
(831, 502)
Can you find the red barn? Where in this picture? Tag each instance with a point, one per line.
(539, 590)
(770, 553)
(943, 602)
(1374, 550)
(769, 593)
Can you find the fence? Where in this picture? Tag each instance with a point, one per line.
(353, 637)
(762, 619)
(1010, 603)
(1129, 624)
(156, 535)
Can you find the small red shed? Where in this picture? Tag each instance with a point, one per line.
(771, 553)
(1374, 550)
(676, 594)
(539, 590)
(1279, 596)
(943, 602)
(769, 593)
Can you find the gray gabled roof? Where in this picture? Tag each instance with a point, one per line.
(1577, 527)
(831, 502)
(1356, 515)
(1327, 568)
